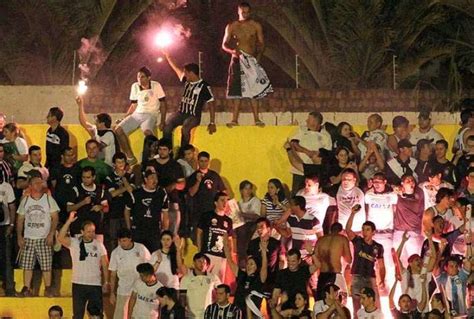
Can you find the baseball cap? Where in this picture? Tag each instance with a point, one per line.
(404, 143)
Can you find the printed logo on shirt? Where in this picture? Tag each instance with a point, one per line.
(366, 256)
(208, 183)
(213, 222)
(145, 298)
(68, 178)
(147, 201)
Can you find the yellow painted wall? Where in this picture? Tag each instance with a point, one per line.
(245, 152)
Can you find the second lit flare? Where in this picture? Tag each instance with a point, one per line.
(81, 87)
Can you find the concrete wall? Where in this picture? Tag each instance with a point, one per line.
(29, 104)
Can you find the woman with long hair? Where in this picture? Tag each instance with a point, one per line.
(170, 308)
(249, 280)
(299, 311)
(346, 137)
(167, 260)
(274, 203)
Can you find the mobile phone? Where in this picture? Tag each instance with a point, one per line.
(357, 207)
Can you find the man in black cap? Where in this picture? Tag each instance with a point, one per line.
(401, 164)
(425, 130)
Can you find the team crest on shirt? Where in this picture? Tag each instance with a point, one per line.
(94, 248)
(146, 201)
(208, 183)
(225, 224)
(137, 254)
(213, 222)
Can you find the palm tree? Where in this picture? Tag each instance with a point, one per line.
(350, 43)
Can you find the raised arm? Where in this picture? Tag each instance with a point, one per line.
(264, 266)
(433, 256)
(82, 116)
(350, 233)
(228, 255)
(63, 238)
(427, 222)
(391, 296)
(178, 70)
(405, 238)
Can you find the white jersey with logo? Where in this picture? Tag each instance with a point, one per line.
(430, 192)
(148, 100)
(380, 208)
(199, 292)
(37, 213)
(88, 271)
(316, 204)
(125, 262)
(345, 201)
(146, 305)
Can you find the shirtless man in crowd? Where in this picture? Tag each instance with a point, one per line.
(245, 37)
(329, 250)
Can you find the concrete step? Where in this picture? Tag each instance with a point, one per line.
(61, 281)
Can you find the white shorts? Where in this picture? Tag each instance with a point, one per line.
(146, 121)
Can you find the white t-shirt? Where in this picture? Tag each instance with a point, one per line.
(7, 196)
(199, 292)
(430, 192)
(148, 101)
(107, 141)
(416, 291)
(345, 201)
(146, 306)
(376, 314)
(163, 273)
(27, 166)
(88, 271)
(125, 263)
(188, 170)
(37, 214)
(312, 141)
(319, 307)
(380, 208)
(416, 135)
(377, 136)
(20, 143)
(316, 204)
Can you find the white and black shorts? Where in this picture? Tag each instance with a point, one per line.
(36, 249)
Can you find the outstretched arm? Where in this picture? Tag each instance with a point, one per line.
(405, 238)
(228, 256)
(82, 116)
(178, 70)
(350, 233)
(63, 238)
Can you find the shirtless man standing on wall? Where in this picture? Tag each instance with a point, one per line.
(245, 37)
(329, 250)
